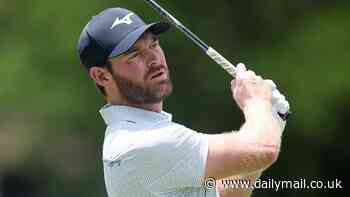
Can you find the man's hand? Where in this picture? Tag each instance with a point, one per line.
(280, 106)
(248, 88)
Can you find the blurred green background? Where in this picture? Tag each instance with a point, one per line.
(51, 134)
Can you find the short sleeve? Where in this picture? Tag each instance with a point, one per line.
(173, 157)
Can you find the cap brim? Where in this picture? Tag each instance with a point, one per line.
(131, 38)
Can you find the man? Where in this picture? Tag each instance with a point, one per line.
(145, 153)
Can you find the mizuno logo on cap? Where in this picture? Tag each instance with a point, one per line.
(126, 20)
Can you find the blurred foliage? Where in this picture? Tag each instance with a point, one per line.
(51, 133)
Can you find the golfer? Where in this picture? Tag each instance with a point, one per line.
(146, 153)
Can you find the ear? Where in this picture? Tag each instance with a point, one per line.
(101, 76)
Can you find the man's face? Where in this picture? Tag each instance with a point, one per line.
(141, 74)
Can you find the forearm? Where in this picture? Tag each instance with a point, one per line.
(254, 147)
(260, 127)
(261, 137)
(262, 131)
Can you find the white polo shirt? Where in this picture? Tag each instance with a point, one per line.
(145, 154)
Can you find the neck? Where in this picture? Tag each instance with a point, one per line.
(156, 107)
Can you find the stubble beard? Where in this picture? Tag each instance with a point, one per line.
(140, 94)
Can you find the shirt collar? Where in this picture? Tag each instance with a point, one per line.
(114, 113)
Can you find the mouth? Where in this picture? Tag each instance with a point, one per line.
(159, 74)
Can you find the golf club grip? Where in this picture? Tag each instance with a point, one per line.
(223, 62)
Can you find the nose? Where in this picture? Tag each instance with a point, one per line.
(153, 58)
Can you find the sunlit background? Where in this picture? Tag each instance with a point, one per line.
(51, 134)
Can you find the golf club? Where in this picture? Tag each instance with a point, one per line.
(211, 52)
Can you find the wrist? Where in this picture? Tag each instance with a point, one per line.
(258, 103)
(257, 107)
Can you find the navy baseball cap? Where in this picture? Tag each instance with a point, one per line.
(111, 33)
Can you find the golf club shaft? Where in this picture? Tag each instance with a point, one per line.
(211, 52)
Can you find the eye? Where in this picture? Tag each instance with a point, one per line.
(154, 44)
(133, 55)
